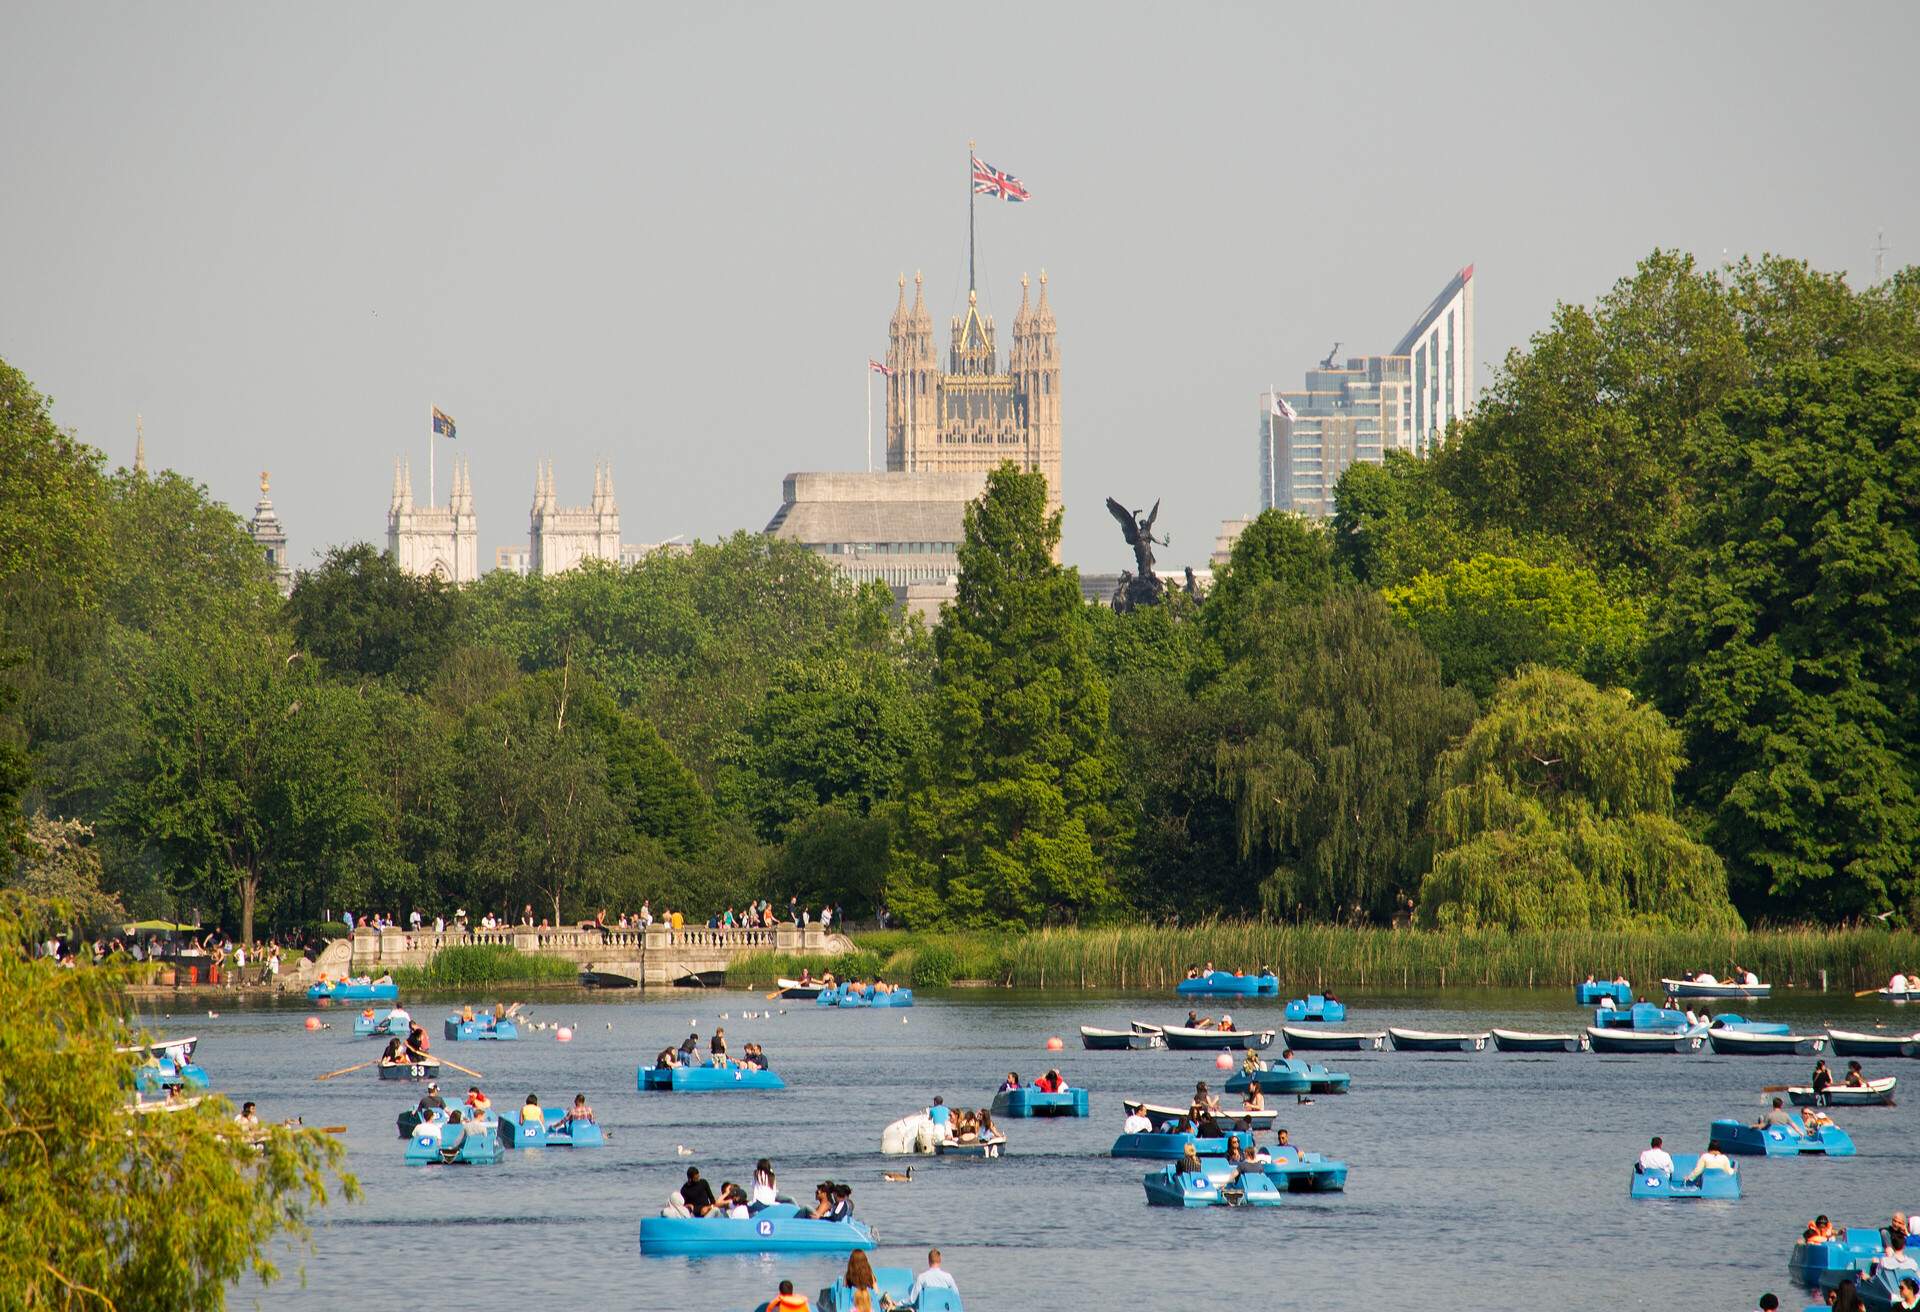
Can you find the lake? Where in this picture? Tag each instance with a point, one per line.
(1483, 1180)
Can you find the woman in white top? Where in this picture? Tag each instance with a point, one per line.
(764, 1194)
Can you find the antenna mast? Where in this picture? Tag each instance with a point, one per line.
(1880, 249)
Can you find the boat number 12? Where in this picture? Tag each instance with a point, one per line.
(766, 1227)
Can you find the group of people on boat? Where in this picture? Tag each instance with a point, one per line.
(860, 1283)
(958, 1125)
(1656, 1158)
(752, 1057)
(1823, 1077)
(1893, 1257)
(1618, 978)
(1052, 1082)
(1195, 1021)
(1197, 972)
(1737, 974)
(357, 981)
(409, 1051)
(696, 1198)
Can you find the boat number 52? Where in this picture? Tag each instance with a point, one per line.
(766, 1227)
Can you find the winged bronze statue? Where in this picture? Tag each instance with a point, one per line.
(1141, 587)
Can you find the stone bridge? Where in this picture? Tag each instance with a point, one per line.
(650, 957)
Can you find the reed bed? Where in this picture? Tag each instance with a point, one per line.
(1319, 956)
(478, 965)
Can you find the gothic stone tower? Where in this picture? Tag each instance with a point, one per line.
(264, 528)
(970, 417)
(443, 540)
(560, 538)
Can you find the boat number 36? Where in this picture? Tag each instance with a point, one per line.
(766, 1227)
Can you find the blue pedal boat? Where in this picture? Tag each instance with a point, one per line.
(707, 1079)
(158, 1076)
(436, 1144)
(895, 1282)
(1662, 1184)
(1305, 1173)
(781, 1228)
(1737, 1138)
(390, 1025)
(1290, 1075)
(1879, 1291)
(553, 1130)
(1318, 1009)
(1589, 995)
(1853, 1254)
(1640, 1016)
(1226, 984)
(480, 1027)
(1728, 1020)
(348, 992)
(1172, 1187)
(1158, 1146)
(1029, 1101)
(847, 995)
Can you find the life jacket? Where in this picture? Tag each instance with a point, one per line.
(789, 1303)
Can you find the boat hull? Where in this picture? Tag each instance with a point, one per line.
(1875, 1093)
(997, 1148)
(1222, 984)
(707, 1079)
(354, 993)
(481, 1147)
(1525, 1041)
(157, 1079)
(468, 1031)
(1846, 1043)
(1171, 1147)
(1851, 1255)
(1736, 1138)
(1284, 1076)
(1306, 1040)
(1660, 1184)
(777, 1229)
(410, 1070)
(1098, 1040)
(1172, 1187)
(1622, 1041)
(1684, 988)
(1422, 1041)
(1737, 1043)
(1317, 1009)
(1589, 995)
(1182, 1039)
(1640, 1016)
(842, 996)
(1291, 1171)
(1027, 1102)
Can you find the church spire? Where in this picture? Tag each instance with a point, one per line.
(139, 445)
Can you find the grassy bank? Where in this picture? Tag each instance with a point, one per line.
(480, 965)
(1315, 956)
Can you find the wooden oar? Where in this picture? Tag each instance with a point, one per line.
(344, 1070)
(1861, 993)
(464, 1070)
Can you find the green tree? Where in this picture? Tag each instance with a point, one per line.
(363, 616)
(1787, 649)
(1279, 554)
(1008, 818)
(1342, 714)
(1556, 812)
(1487, 616)
(58, 865)
(93, 1214)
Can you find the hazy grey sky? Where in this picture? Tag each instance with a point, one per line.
(668, 235)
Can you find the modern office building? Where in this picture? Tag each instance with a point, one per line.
(1358, 411)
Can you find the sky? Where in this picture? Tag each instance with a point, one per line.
(668, 235)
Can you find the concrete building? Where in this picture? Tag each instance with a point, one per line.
(969, 417)
(1345, 414)
(443, 540)
(264, 528)
(900, 528)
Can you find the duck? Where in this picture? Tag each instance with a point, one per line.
(683, 1150)
(896, 1177)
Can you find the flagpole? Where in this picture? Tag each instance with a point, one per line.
(970, 216)
(430, 499)
(869, 418)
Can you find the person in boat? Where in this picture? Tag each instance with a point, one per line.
(530, 1113)
(248, 1119)
(753, 1058)
(859, 1281)
(1137, 1122)
(1253, 1100)
(788, 1301)
(822, 1200)
(666, 1061)
(431, 1101)
(717, 1047)
(1208, 1127)
(466, 1014)
(1815, 1120)
(1909, 1294)
(1780, 1116)
(806, 977)
(1204, 1099)
(1656, 1157)
(962, 1129)
(690, 1050)
(1894, 1257)
(696, 1195)
(366, 1014)
(934, 1277)
(1856, 1078)
(827, 980)
(842, 1208)
(384, 980)
(1280, 1139)
(1193, 972)
(1821, 1231)
(1622, 980)
(393, 1056)
(416, 1043)
(452, 1135)
(987, 1130)
(478, 1104)
(1190, 1160)
(1209, 969)
(733, 1203)
(765, 1193)
(1822, 1077)
(1710, 1160)
(1590, 979)
(1250, 1064)
(1233, 1151)
(1011, 1083)
(1226, 1022)
(1239, 973)
(1049, 1083)
(941, 1117)
(580, 1113)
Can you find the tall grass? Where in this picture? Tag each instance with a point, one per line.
(478, 965)
(1317, 956)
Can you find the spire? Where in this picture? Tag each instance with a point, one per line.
(900, 306)
(1043, 313)
(610, 503)
(919, 294)
(1021, 315)
(406, 485)
(139, 445)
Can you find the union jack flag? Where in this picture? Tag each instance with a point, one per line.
(990, 181)
(878, 368)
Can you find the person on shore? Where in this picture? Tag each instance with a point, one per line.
(788, 1301)
(1656, 1158)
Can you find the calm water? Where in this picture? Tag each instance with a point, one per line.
(1478, 1181)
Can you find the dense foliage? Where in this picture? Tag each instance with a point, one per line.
(1675, 543)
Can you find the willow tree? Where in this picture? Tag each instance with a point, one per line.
(103, 1209)
(1342, 715)
(1008, 819)
(1556, 811)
